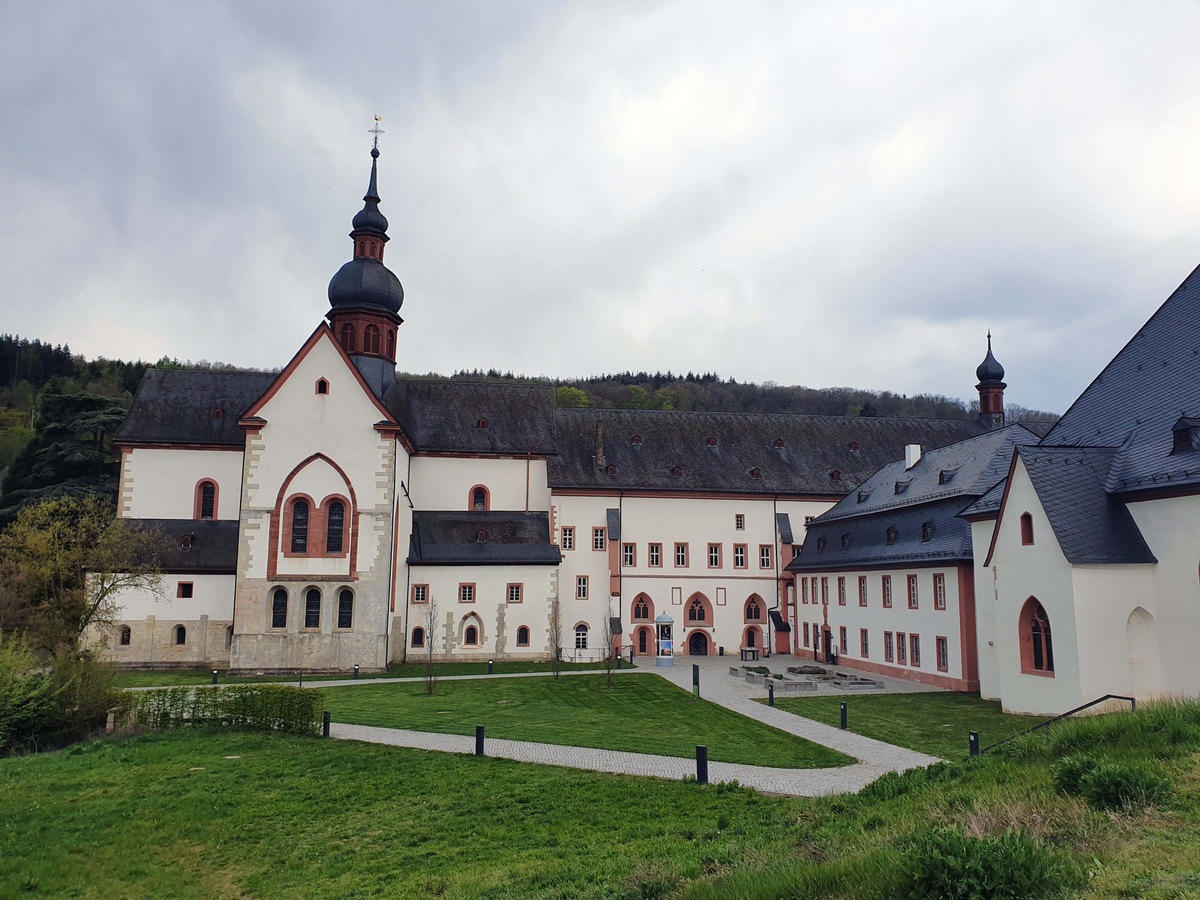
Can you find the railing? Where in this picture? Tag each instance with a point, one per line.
(974, 740)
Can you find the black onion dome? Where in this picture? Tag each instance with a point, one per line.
(990, 369)
(366, 282)
(369, 218)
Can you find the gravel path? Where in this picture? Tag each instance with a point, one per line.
(875, 757)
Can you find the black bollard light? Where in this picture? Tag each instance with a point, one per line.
(843, 716)
(214, 676)
(325, 724)
(491, 666)
(620, 659)
(479, 740)
(696, 680)
(770, 694)
(701, 764)
(973, 742)
(356, 671)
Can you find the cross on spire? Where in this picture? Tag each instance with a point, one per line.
(377, 131)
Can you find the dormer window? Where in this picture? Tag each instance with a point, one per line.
(185, 543)
(821, 545)
(636, 440)
(845, 542)
(218, 412)
(1184, 435)
(891, 535)
(854, 446)
(863, 496)
(946, 475)
(927, 531)
(778, 443)
(677, 471)
(756, 472)
(835, 475)
(902, 486)
(711, 442)
(322, 386)
(481, 537)
(611, 469)
(483, 423)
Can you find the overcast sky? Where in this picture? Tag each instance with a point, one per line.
(817, 193)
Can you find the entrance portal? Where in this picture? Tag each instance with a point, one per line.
(698, 644)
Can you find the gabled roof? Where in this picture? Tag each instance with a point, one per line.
(1151, 383)
(176, 406)
(987, 506)
(720, 452)
(446, 416)
(966, 469)
(1091, 526)
(448, 538)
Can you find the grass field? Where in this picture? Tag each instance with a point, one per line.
(200, 815)
(934, 723)
(637, 713)
(173, 677)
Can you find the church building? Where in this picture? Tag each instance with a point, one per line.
(335, 515)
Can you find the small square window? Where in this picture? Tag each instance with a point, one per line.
(655, 554)
(714, 556)
(599, 538)
(739, 521)
(466, 593)
(516, 593)
(184, 590)
(765, 556)
(567, 542)
(420, 593)
(629, 555)
(581, 587)
(739, 556)
(681, 556)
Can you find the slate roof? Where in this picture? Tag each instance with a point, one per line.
(175, 406)
(1150, 384)
(448, 538)
(814, 447)
(966, 469)
(933, 492)
(987, 506)
(1091, 526)
(950, 539)
(214, 545)
(445, 415)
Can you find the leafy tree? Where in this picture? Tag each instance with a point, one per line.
(570, 396)
(64, 563)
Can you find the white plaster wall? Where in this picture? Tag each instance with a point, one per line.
(1105, 596)
(985, 611)
(497, 618)
(1169, 527)
(925, 621)
(1039, 570)
(696, 521)
(161, 483)
(212, 596)
(444, 483)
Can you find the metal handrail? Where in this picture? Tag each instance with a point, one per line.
(1069, 712)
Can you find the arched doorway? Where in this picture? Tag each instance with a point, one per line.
(1141, 641)
(645, 642)
(698, 643)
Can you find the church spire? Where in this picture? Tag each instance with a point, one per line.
(991, 389)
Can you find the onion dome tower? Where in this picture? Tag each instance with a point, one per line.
(365, 296)
(991, 389)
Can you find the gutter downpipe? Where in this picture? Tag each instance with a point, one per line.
(407, 568)
(770, 648)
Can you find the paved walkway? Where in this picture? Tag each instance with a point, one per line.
(876, 758)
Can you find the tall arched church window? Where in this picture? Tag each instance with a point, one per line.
(581, 636)
(1037, 648)
(471, 636)
(349, 342)
(371, 339)
(641, 609)
(418, 637)
(300, 526)
(335, 526)
(1026, 529)
(696, 611)
(523, 636)
(207, 500)
(345, 609)
(126, 636)
(481, 501)
(180, 635)
(312, 608)
(279, 603)
(753, 610)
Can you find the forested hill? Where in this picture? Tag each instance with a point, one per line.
(708, 391)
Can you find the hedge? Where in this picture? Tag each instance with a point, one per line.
(257, 707)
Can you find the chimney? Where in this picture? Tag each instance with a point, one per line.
(912, 455)
(600, 445)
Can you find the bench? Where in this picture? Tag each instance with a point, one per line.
(794, 686)
(737, 671)
(749, 654)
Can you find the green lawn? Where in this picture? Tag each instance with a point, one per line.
(638, 713)
(933, 723)
(204, 815)
(171, 677)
